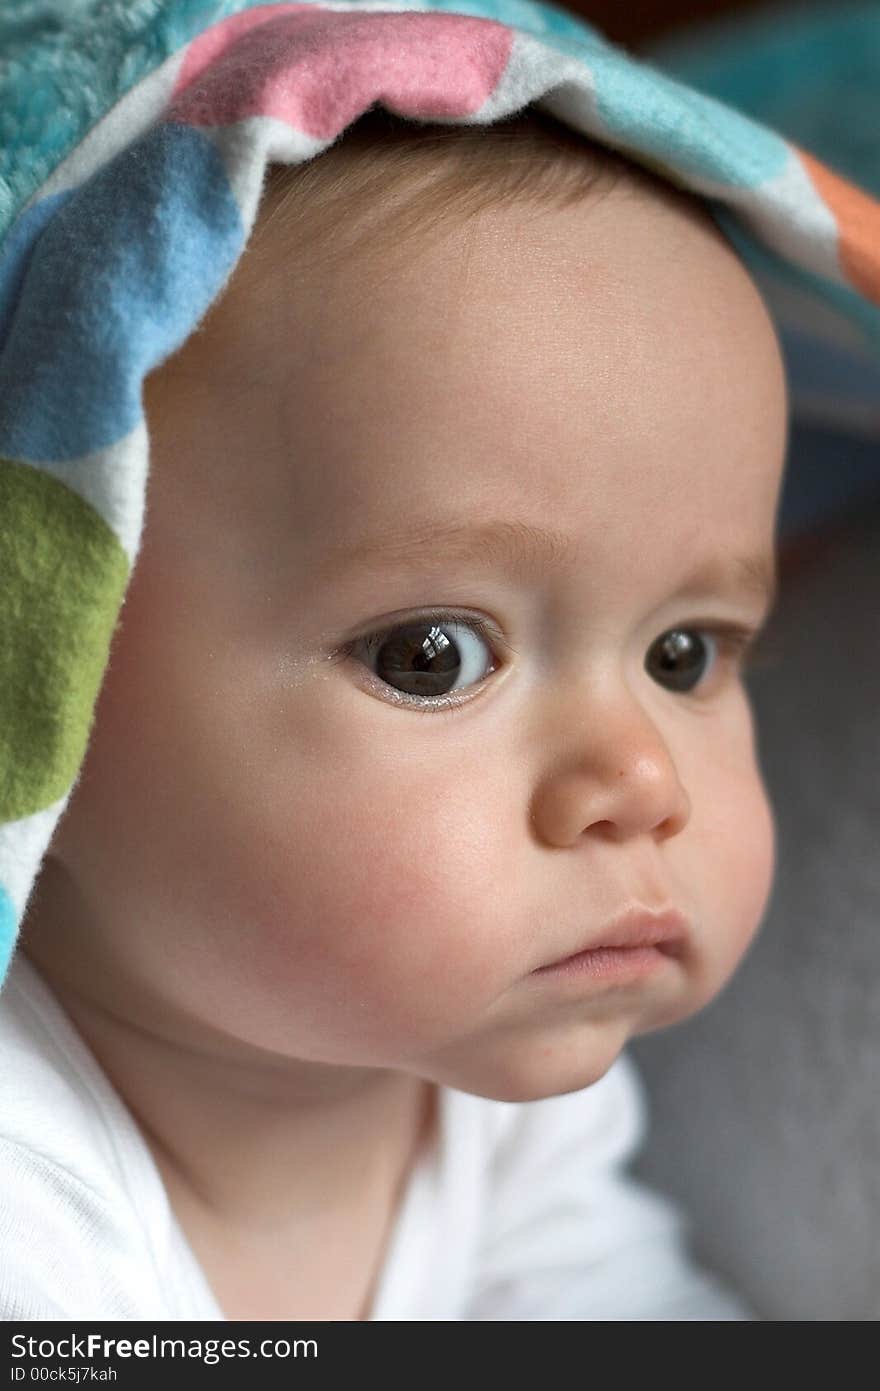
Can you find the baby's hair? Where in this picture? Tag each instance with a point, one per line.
(387, 177)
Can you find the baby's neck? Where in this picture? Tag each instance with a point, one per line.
(286, 1198)
(321, 1263)
(258, 1166)
(253, 1142)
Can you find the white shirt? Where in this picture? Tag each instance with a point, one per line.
(522, 1210)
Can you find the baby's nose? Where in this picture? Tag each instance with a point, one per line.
(609, 772)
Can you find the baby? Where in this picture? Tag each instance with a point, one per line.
(423, 776)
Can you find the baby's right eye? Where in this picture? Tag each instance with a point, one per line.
(428, 659)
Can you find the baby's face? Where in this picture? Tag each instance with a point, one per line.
(359, 852)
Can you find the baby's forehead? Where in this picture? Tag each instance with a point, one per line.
(301, 261)
(609, 359)
(370, 202)
(470, 348)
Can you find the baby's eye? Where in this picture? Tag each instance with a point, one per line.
(428, 658)
(427, 662)
(680, 657)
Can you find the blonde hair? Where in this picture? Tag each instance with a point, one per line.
(387, 178)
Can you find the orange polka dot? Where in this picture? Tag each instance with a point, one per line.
(858, 221)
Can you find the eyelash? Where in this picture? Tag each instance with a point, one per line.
(736, 641)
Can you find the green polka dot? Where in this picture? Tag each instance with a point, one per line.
(63, 574)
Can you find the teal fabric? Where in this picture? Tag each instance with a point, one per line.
(811, 72)
(66, 62)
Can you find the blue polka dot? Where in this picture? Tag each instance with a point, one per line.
(8, 931)
(17, 253)
(110, 285)
(682, 130)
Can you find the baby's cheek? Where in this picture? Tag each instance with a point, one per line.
(754, 842)
(383, 903)
(741, 844)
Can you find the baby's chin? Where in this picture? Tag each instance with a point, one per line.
(530, 1065)
(531, 1069)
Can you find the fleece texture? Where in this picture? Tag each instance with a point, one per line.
(133, 149)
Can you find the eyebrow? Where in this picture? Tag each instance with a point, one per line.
(522, 548)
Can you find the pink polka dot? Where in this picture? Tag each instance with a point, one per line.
(318, 70)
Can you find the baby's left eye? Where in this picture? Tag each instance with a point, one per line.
(678, 659)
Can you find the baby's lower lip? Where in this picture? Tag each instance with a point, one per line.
(602, 963)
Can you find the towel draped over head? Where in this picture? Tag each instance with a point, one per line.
(135, 140)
